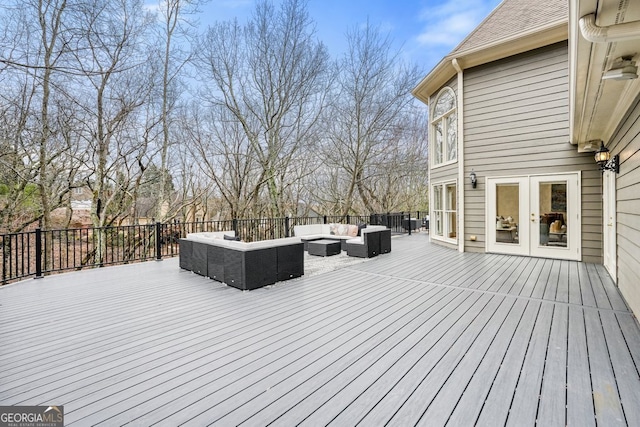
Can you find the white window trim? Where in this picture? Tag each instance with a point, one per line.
(433, 134)
(445, 219)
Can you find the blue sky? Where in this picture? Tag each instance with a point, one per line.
(426, 30)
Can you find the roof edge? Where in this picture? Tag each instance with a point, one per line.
(444, 71)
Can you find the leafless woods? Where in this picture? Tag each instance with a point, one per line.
(134, 113)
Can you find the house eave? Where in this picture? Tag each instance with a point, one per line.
(597, 105)
(443, 72)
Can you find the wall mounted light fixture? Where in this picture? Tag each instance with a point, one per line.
(474, 179)
(605, 161)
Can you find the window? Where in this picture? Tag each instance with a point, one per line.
(445, 128)
(79, 191)
(445, 212)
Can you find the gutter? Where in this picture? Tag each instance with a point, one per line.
(612, 33)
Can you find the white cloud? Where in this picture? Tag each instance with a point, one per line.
(447, 24)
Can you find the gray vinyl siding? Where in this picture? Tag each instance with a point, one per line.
(516, 122)
(626, 143)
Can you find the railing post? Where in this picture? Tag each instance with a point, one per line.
(234, 225)
(38, 253)
(348, 219)
(158, 241)
(409, 222)
(324, 219)
(4, 258)
(287, 229)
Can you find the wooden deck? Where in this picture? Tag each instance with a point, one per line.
(420, 336)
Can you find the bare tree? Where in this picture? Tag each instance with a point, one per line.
(111, 60)
(175, 31)
(34, 53)
(271, 75)
(219, 143)
(367, 119)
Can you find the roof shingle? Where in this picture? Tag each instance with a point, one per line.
(513, 17)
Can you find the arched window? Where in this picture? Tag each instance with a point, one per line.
(445, 128)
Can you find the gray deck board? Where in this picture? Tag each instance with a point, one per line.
(527, 274)
(383, 384)
(318, 395)
(134, 347)
(601, 296)
(525, 404)
(265, 335)
(628, 326)
(529, 285)
(551, 289)
(586, 291)
(224, 368)
(443, 356)
(580, 411)
(616, 300)
(573, 284)
(423, 335)
(624, 368)
(472, 399)
(308, 364)
(498, 402)
(543, 280)
(445, 401)
(562, 292)
(606, 397)
(552, 409)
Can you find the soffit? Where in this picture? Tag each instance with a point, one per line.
(598, 106)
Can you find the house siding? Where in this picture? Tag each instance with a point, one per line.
(626, 143)
(517, 123)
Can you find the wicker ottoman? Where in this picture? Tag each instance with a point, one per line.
(324, 247)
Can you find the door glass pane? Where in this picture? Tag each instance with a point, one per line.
(507, 213)
(553, 214)
(438, 223)
(439, 141)
(437, 210)
(451, 211)
(452, 141)
(437, 197)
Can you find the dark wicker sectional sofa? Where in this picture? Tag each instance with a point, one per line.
(242, 265)
(373, 241)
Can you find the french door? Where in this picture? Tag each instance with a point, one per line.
(534, 215)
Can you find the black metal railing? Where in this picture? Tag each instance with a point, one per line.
(41, 252)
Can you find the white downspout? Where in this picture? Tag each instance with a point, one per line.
(612, 33)
(460, 186)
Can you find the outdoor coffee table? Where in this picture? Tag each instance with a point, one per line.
(324, 247)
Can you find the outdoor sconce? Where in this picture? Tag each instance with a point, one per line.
(605, 161)
(474, 179)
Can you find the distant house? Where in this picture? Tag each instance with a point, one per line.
(517, 112)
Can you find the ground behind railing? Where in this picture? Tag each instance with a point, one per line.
(41, 252)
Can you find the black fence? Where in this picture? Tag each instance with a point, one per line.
(40, 252)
